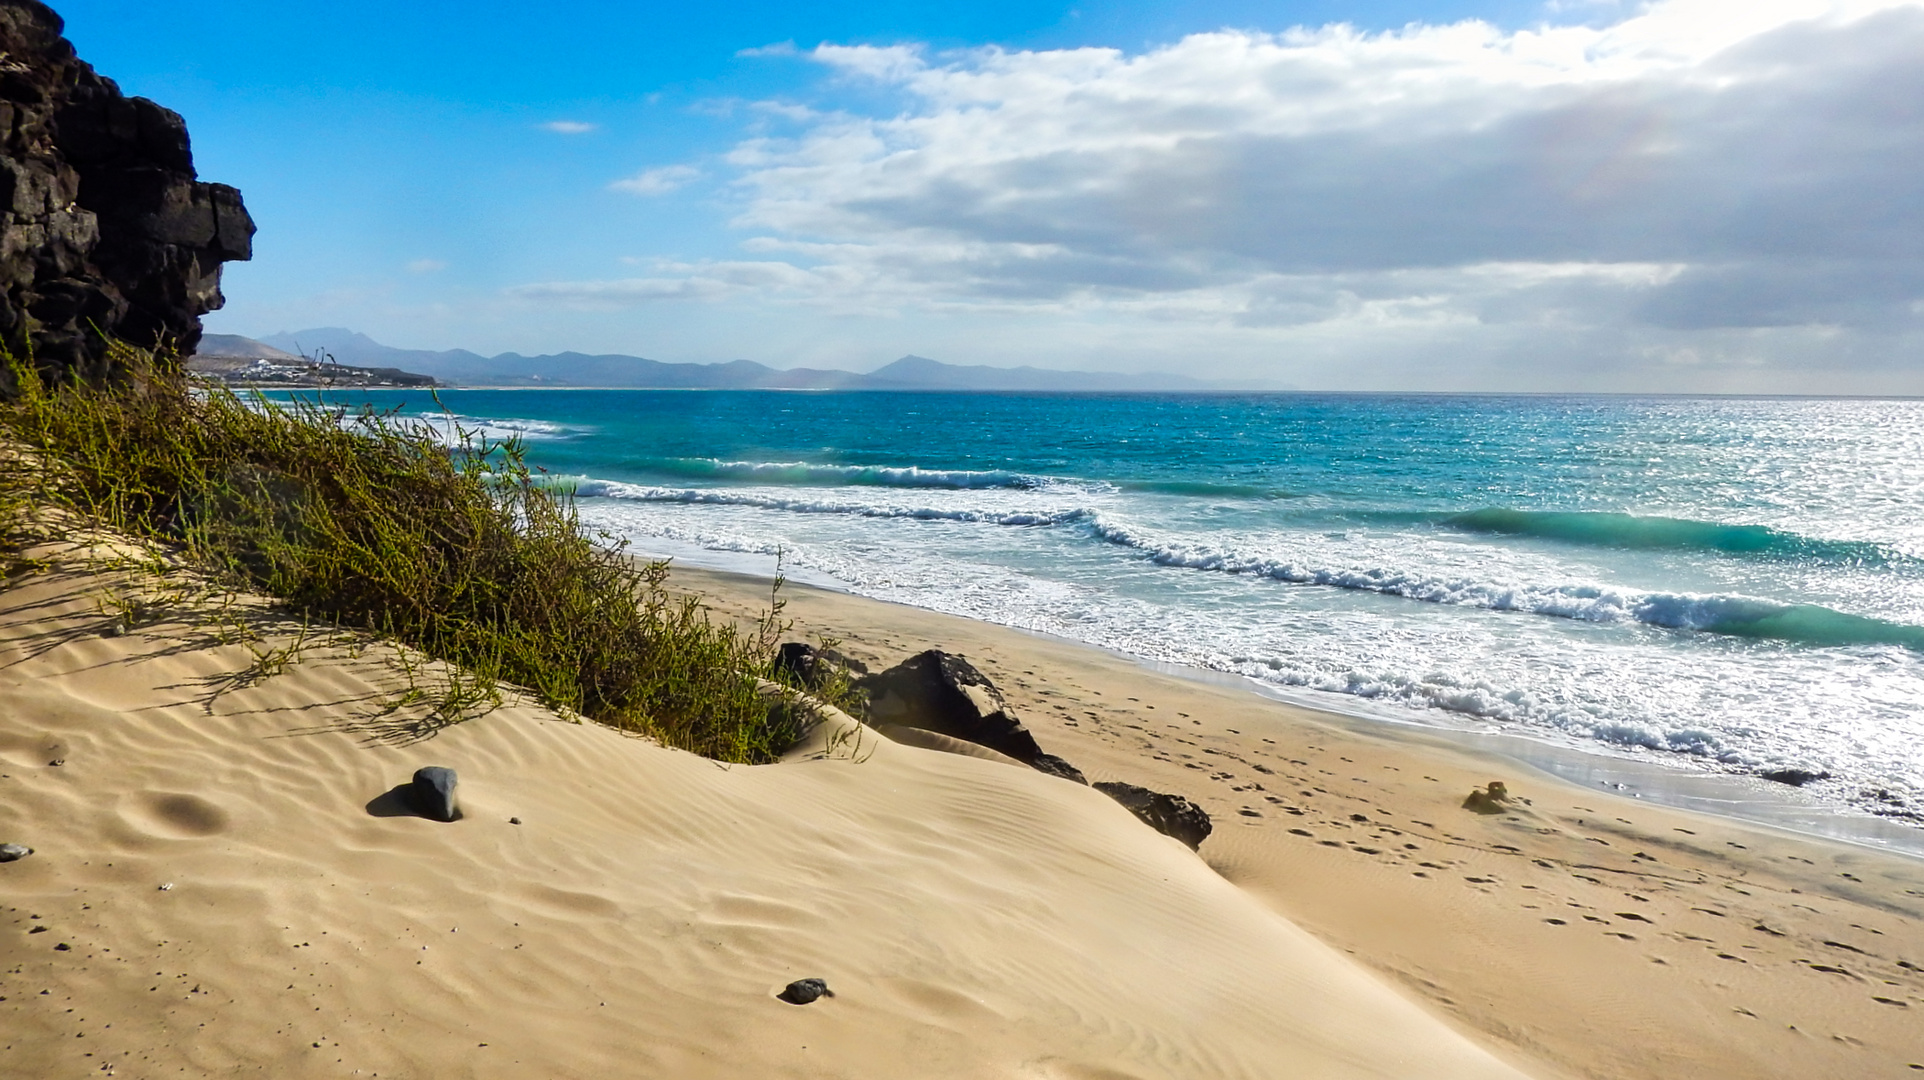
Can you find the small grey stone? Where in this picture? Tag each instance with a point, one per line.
(514, 821)
(10, 852)
(804, 991)
(432, 793)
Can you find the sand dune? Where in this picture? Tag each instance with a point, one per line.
(223, 861)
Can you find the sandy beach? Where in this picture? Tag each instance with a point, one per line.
(222, 884)
(1587, 934)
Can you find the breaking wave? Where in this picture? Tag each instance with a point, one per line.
(610, 489)
(1635, 531)
(1738, 616)
(1715, 613)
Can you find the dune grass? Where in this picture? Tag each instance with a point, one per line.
(455, 547)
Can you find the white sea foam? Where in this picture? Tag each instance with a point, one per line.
(450, 427)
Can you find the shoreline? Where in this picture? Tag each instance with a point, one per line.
(1680, 786)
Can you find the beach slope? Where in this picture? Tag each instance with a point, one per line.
(224, 880)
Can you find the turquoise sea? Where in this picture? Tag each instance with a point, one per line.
(1715, 583)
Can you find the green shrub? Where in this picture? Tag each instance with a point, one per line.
(366, 521)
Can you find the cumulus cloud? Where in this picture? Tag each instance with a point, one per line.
(657, 181)
(1703, 166)
(569, 127)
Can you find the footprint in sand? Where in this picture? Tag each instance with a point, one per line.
(1058, 1069)
(173, 815)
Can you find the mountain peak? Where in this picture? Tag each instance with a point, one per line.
(909, 366)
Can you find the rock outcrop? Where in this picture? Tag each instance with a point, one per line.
(944, 693)
(105, 230)
(1170, 815)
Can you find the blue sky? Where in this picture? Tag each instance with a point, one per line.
(1690, 195)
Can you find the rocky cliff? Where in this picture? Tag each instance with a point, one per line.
(105, 231)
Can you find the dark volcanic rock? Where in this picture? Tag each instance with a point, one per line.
(1170, 815)
(1794, 777)
(804, 991)
(810, 666)
(104, 227)
(801, 662)
(11, 852)
(1055, 766)
(432, 793)
(945, 693)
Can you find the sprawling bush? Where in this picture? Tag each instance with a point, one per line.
(454, 547)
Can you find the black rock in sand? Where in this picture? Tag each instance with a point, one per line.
(432, 793)
(804, 991)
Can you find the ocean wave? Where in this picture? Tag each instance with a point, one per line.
(1617, 530)
(1733, 615)
(803, 473)
(609, 489)
(1209, 489)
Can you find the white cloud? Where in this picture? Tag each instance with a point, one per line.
(426, 266)
(713, 280)
(569, 127)
(1706, 178)
(659, 181)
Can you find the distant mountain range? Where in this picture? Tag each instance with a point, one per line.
(460, 367)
